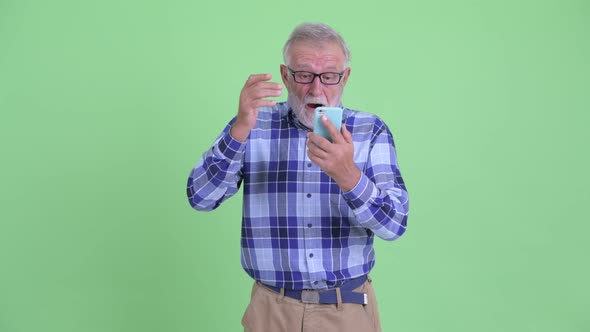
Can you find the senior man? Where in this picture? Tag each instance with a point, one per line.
(311, 207)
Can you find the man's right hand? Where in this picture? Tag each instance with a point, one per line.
(253, 95)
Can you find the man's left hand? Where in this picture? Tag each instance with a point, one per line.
(336, 158)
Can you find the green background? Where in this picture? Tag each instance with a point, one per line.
(107, 105)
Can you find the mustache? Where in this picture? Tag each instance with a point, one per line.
(312, 100)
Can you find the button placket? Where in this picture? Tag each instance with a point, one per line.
(308, 194)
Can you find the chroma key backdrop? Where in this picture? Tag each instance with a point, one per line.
(105, 107)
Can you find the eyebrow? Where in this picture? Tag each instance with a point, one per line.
(306, 67)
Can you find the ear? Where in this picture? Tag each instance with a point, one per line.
(284, 74)
(346, 75)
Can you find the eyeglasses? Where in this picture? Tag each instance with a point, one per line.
(306, 77)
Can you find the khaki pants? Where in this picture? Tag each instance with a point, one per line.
(269, 312)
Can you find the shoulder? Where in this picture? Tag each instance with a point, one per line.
(271, 119)
(279, 111)
(358, 121)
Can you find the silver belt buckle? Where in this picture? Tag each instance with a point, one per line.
(310, 296)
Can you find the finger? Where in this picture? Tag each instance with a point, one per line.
(346, 134)
(316, 156)
(268, 85)
(264, 103)
(255, 78)
(265, 93)
(319, 141)
(336, 137)
(316, 150)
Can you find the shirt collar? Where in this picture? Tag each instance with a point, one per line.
(295, 121)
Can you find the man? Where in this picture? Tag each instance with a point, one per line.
(311, 207)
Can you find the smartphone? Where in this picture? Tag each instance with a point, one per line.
(334, 114)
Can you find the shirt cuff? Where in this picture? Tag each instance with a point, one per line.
(364, 191)
(230, 148)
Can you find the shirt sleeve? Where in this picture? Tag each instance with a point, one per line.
(379, 201)
(218, 174)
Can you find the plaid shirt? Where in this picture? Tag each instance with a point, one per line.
(299, 230)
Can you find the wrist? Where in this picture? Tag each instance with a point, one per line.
(239, 132)
(348, 182)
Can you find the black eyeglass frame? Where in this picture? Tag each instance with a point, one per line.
(293, 72)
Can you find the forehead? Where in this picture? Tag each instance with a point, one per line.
(310, 55)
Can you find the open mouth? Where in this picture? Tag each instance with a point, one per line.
(313, 106)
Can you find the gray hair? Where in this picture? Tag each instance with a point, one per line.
(316, 32)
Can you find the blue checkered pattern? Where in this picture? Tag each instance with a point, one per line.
(299, 230)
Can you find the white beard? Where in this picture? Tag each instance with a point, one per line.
(303, 115)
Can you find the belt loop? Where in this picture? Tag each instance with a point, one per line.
(339, 305)
(281, 295)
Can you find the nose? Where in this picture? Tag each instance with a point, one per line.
(316, 87)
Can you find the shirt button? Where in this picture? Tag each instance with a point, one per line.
(308, 195)
(308, 164)
(309, 225)
(310, 255)
(315, 282)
